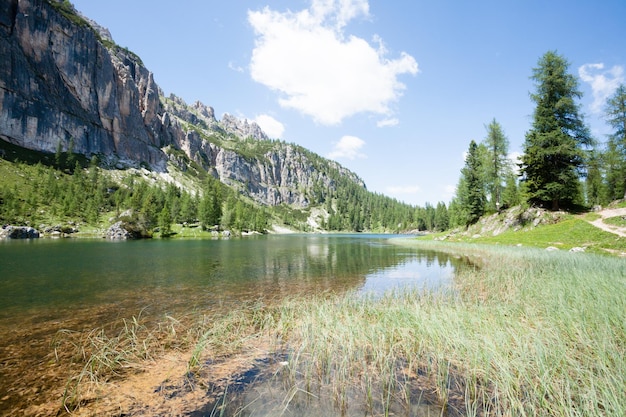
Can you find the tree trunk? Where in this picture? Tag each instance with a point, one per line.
(555, 204)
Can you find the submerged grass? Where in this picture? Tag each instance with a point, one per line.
(524, 332)
(104, 356)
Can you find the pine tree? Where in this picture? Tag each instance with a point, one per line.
(71, 161)
(553, 154)
(165, 222)
(210, 207)
(456, 214)
(616, 117)
(149, 209)
(188, 209)
(205, 211)
(510, 194)
(58, 156)
(497, 165)
(594, 187)
(441, 217)
(471, 189)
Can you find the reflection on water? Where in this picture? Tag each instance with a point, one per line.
(54, 277)
(422, 270)
(49, 285)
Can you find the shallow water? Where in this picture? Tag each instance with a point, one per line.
(267, 390)
(50, 285)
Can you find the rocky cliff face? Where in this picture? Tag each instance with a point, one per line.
(59, 86)
(64, 83)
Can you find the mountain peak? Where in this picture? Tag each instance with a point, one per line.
(242, 128)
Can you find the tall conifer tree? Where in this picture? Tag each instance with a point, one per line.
(553, 149)
(497, 164)
(616, 117)
(471, 189)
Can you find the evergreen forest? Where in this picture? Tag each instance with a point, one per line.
(562, 167)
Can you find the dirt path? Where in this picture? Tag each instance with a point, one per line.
(621, 231)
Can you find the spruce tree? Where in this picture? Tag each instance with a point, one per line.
(594, 188)
(497, 165)
(442, 222)
(471, 190)
(511, 193)
(165, 222)
(553, 149)
(616, 117)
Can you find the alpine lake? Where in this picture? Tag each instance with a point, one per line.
(56, 286)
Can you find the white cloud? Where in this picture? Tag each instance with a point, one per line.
(272, 127)
(348, 147)
(235, 67)
(449, 191)
(603, 82)
(318, 69)
(388, 122)
(342, 11)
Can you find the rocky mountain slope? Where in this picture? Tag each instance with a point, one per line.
(65, 85)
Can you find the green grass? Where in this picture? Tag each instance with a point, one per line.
(66, 9)
(104, 357)
(524, 332)
(566, 234)
(619, 204)
(616, 221)
(193, 231)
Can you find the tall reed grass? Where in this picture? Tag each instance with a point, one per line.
(523, 332)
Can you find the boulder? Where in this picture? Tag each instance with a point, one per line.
(127, 229)
(60, 230)
(18, 232)
(118, 232)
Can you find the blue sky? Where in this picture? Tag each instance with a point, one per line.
(392, 90)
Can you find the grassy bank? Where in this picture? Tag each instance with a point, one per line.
(566, 233)
(525, 332)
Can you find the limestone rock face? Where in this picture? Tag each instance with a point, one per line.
(242, 128)
(59, 85)
(285, 175)
(64, 83)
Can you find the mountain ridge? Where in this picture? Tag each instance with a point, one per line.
(67, 89)
(80, 92)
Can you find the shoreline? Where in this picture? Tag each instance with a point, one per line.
(507, 333)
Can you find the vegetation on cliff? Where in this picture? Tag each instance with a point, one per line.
(40, 189)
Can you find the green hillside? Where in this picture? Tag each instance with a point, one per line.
(40, 190)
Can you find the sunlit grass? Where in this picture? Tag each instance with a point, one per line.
(524, 332)
(527, 333)
(566, 234)
(619, 221)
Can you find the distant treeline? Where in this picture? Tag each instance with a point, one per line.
(60, 192)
